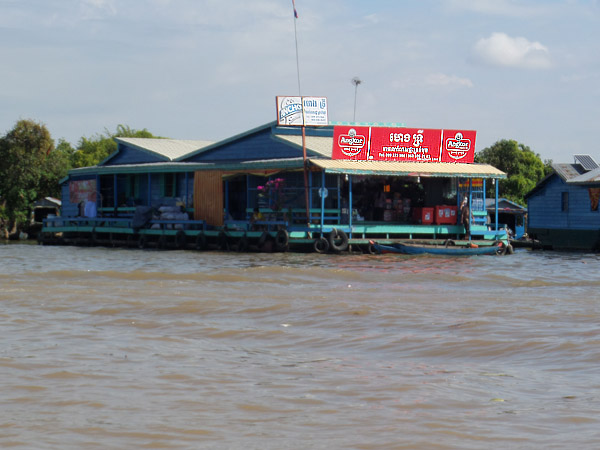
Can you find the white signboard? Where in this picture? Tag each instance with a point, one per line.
(298, 111)
(289, 111)
(315, 110)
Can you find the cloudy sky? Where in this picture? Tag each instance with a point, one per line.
(208, 69)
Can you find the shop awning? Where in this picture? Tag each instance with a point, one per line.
(411, 169)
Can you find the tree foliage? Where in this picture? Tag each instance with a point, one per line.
(523, 167)
(30, 168)
(96, 149)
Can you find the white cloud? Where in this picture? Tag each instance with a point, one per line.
(441, 79)
(95, 9)
(448, 82)
(506, 8)
(502, 50)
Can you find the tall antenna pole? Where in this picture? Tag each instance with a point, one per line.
(296, 39)
(355, 81)
(305, 160)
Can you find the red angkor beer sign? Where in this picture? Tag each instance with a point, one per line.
(458, 146)
(350, 142)
(403, 144)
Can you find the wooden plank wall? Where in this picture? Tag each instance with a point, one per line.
(208, 197)
(544, 207)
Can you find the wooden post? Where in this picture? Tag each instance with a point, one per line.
(305, 175)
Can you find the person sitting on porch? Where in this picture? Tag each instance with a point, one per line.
(257, 216)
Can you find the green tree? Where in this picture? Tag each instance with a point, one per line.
(30, 168)
(55, 167)
(94, 150)
(523, 167)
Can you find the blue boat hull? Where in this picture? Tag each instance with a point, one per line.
(451, 250)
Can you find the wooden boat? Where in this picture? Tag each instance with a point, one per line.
(450, 248)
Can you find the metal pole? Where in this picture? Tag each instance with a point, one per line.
(350, 207)
(496, 183)
(355, 81)
(297, 59)
(306, 201)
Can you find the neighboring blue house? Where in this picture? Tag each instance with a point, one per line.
(563, 208)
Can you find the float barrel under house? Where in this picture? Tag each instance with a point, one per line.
(273, 188)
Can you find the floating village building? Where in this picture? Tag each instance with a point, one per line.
(277, 187)
(563, 209)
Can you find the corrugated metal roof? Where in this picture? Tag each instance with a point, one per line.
(320, 145)
(424, 169)
(568, 171)
(168, 148)
(589, 177)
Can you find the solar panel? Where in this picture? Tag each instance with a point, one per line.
(586, 161)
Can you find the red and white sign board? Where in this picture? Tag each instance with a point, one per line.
(350, 143)
(403, 144)
(458, 146)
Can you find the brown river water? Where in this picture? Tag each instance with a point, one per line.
(142, 349)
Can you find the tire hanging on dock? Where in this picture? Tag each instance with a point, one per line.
(338, 240)
(321, 245)
(282, 239)
(371, 248)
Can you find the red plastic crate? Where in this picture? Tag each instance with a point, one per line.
(446, 215)
(422, 215)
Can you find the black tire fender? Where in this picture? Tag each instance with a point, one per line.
(371, 248)
(449, 243)
(338, 240)
(321, 245)
(282, 239)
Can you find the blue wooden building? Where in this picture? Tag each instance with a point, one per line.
(563, 208)
(510, 214)
(168, 192)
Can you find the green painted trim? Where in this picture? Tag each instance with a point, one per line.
(406, 174)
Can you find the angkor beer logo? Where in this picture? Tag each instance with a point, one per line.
(458, 147)
(351, 144)
(290, 111)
